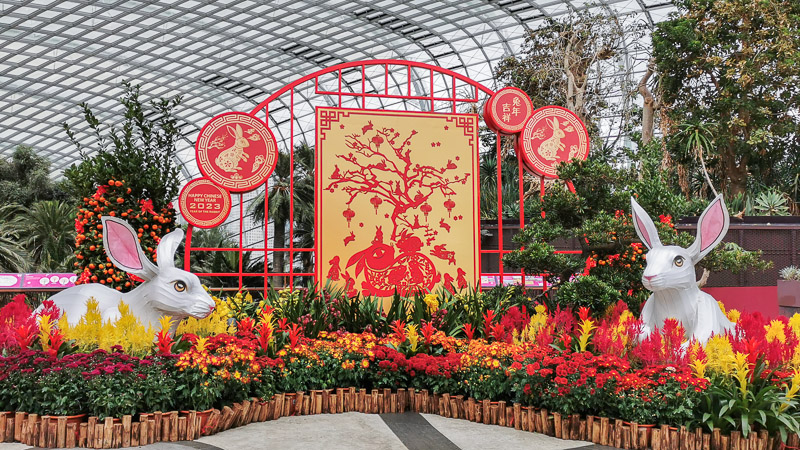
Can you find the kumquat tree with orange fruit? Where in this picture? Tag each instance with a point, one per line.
(129, 171)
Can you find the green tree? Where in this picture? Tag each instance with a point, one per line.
(13, 256)
(25, 178)
(142, 150)
(734, 65)
(48, 233)
(565, 62)
(280, 198)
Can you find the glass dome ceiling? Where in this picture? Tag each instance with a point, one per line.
(230, 55)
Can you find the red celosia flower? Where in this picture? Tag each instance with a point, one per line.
(295, 333)
(488, 318)
(399, 328)
(25, 334)
(469, 331)
(583, 313)
(264, 335)
(427, 332)
(245, 326)
(164, 342)
(56, 339)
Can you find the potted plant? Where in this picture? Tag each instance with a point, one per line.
(789, 290)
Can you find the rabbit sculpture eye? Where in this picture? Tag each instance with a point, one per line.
(670, 275)
(166, 291)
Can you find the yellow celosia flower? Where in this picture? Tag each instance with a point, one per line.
(775, 331)
(165, 322)
(412, 336)
(586, 328)
(794, 324)
(45, 326)
(200, 345)
(216, 323)
(719, 354)
(699, 367)
(741, 372)
(791, 390)
(721, 306)
(535, 325)
(733, 315)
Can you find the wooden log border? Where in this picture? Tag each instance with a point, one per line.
(172, 426)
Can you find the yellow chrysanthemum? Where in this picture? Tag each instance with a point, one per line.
(733, 315)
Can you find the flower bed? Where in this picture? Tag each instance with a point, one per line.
(588, 375)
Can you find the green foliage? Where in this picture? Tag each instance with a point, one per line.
(731, 402)
(25, 179)
(140, 149)
(589, 291)
(733, 65)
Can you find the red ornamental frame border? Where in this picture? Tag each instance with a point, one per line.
(423, 75)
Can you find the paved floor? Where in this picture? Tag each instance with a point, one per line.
(368, 431)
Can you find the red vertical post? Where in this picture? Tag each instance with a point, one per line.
(500, 206)
(266, 221)
(521, 174)
(187, 254)
(241, 239)
(291, 184)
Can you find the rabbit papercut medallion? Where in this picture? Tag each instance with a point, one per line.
(166, 290)
(670, 275)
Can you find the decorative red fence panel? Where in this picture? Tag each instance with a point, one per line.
(284, 243)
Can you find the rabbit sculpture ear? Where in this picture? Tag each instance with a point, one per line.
(167, 248)
(711, 229)
(122, 247)
(645, 227)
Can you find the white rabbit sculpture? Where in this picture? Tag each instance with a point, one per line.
(228, 160)
(166, 290)
(670, 275)
(550, 147)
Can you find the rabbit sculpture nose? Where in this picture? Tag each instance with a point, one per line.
(648, 277)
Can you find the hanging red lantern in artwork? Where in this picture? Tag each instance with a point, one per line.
(348, 214)
(426, 208)
(449, 204)
(376, 202)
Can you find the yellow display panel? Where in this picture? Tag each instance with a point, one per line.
(397, 200)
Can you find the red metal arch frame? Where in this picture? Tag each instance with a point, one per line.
(390, 68)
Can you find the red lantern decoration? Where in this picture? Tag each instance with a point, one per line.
(348, 214)
(449, 204)
(426, 208)
(376, 202)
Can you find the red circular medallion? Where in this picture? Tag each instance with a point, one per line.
(507, 110)
(204, 204)
(236, 151)
(552, 135)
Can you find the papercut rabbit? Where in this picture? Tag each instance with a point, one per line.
(670, 275)
(166, 290)
(549, 148)
(228, 159)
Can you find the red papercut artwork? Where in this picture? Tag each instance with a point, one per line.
(380, 167)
